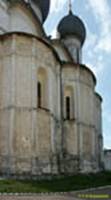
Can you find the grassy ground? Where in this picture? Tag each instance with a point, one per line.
(63, 184)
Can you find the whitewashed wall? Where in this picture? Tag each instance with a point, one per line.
(19, 18)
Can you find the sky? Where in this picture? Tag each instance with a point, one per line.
(96, 15)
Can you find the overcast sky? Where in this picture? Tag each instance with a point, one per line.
(96, 14)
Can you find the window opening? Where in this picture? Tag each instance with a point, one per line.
(39, 90)
(68, 108)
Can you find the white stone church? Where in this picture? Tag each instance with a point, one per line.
(50, 113)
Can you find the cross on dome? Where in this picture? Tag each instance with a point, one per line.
(70, 6)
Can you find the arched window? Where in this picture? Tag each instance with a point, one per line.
(39, 92)
(68, 107)
(42, 88)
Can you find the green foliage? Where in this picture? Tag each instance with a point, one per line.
(62, 184)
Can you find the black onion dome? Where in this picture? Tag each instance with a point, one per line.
(72, 25)
(44, 6)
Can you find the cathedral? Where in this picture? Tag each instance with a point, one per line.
(50, 113)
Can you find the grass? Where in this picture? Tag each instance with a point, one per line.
(63, 184)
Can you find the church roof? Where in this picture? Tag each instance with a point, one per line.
(72, 25)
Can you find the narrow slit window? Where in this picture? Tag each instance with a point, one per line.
(39, 90)
(77, 55)
(68, 108)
